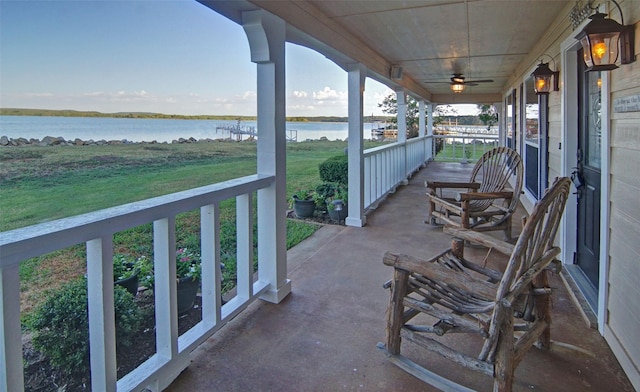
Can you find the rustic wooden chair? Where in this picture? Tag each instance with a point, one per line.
(483, 203)
(510, 311)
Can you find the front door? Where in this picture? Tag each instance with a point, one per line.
(587, 176)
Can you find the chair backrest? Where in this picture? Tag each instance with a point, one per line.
(535, 245)
(493, 171)
(538, 233)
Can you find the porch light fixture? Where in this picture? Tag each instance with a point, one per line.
(457, 88)
(542, 79)
(604, 40)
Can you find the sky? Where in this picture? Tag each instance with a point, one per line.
(171, 56)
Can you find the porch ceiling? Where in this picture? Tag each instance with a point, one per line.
(429, 39)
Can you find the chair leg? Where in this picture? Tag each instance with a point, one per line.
(395, 310)
(430, 218)
(504, 367)
(543, 311)
(507, 229)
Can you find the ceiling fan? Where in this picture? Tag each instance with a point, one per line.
(458, 82)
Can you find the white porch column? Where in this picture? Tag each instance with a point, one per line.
(11, 375)
(402, 115)
(421, 118)
(356, 74)
(502, 139)
(266, 34)
(430, 142)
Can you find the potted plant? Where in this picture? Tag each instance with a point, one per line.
(188, 273)
(304, 204)
(125, 272)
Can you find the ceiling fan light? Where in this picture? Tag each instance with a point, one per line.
(457, 88)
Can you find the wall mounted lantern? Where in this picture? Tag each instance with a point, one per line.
(542, 79)
(604, 40)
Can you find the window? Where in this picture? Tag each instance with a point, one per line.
(535, 137)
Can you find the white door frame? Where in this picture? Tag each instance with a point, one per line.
(569, 139)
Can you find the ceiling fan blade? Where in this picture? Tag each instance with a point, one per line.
(479, 81)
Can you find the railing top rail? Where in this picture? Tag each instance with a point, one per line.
(390, 146)
(31, 241)
(467, 136)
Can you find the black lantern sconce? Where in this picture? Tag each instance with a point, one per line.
(604, 41)
(542, 78)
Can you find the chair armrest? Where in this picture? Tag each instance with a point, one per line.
(440, 184)
(483, 195)
(480, 238)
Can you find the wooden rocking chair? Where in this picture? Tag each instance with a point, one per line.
(510, 311)
(482, 203)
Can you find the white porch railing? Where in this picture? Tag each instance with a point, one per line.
(387, 166)
(463, 147)
(96, 229)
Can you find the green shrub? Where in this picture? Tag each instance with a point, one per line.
(335, 169)
(61, 325)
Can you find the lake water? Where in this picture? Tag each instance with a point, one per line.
(138, 130)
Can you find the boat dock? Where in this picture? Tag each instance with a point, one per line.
(238, 131)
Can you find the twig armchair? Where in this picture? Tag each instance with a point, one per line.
(510, 311)
(483, 203)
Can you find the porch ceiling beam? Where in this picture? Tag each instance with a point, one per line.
(465, 98)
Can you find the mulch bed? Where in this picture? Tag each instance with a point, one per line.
(40, 375)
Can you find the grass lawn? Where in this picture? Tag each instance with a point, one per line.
(39, 184)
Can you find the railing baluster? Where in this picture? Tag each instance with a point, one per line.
(164, 260)
(210, 252)
(102, 329)
(11, 374)
(244, 250)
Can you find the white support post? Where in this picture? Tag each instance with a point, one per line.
(356, 82)
(244, 246)
(210, 253)
(430, 142)
(164, 261)
(102, 328)
(422, 123)
(266, 35)
(11, 374)
(402, 132)
(401, 97)
(502, 140)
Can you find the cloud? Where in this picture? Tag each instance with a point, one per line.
(300, 94)
(249, 95)
(329, 94)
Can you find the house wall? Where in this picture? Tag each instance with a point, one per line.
(623, 305)
(620, 320)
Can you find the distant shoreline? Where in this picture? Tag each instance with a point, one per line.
(161, 116)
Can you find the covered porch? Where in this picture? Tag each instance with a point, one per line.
(323, 336)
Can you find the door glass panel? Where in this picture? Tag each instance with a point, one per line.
(531, 114)
(594, 120)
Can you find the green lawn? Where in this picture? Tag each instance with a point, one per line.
(39, 184)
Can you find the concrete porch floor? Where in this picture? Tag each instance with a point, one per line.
(323, 336)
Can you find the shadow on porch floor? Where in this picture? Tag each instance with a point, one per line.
(323, 336)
